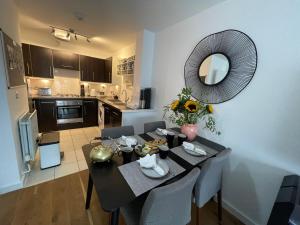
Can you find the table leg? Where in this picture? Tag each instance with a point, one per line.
(89, 192)
(115, 217)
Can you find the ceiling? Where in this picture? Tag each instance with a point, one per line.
(111, 24)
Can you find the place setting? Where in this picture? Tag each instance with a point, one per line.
(150, 171)
(193, 152)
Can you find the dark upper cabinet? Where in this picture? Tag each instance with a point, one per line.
(108, 70)
(41, 61)
(65, 60)
(27, 59)
(90, 113)
(98, 70)
(46, 112)
(86, 68)
(92, 69)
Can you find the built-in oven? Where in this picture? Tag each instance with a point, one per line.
(69, 111)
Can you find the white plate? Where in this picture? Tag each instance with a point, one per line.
(192, 152)
(123, 142)
(151, 172)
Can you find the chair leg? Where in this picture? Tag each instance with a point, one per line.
(220, 206)
(197, 216)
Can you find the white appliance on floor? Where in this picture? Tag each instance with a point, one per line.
(29, 134)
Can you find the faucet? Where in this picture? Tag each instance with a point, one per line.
(126, 98)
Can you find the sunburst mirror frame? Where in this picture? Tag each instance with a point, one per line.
(241, 52)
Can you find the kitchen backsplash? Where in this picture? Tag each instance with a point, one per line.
(68, 82)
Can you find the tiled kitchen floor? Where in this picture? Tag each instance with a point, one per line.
(71, 142)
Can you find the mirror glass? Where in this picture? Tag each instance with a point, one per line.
(214, 69)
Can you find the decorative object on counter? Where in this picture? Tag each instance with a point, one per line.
(126, 66)
(186, 111)
(82, 91)
(145, 98)
(220, 66)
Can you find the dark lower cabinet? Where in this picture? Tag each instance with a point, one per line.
(90, 113)
(112, 116)
(46, 112)
(116, 118)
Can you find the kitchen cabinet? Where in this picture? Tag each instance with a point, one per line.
(98, 70)
(85, 68)
(27, 59)
(112, 116)
(90, 113)
(46, 112)
(41, 62)
(92, 69)
(108, 70)
(65, 60)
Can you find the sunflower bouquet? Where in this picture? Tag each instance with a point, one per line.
(186, 110)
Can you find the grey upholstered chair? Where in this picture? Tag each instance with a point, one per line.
(116, 132)
(209, 182)
(170, 204)
(148, 127)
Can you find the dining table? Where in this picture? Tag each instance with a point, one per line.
(117, 184)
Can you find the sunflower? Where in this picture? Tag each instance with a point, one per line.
(209, 108)
(175, 104)
(191, 106)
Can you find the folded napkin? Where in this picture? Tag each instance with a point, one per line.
(193, 148)
(149, 162)
(129, 141)
(163, 131)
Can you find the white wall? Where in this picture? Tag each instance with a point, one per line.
(261, 124)
(12, 107)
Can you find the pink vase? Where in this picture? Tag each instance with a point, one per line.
(190, 130)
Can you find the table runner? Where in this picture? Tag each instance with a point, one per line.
(154, 135)
(194, 160)
(140, 183)
(140, 141)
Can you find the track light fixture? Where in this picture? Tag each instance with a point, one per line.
(66, 34)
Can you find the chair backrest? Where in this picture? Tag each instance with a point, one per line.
(116, 132)
(170, 204)
(210, 179)
(148, 127)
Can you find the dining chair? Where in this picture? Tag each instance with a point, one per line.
(152, 126)
(170, 204)
(116, 132)
(209, 182)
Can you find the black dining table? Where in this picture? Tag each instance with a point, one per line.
(112, 189)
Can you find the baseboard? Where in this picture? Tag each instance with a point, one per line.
(13, 187)
(238, 214)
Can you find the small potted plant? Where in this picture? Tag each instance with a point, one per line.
(186, 112)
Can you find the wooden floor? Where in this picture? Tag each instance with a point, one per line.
(61, 202)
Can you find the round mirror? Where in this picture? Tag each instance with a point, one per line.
(214, 69)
